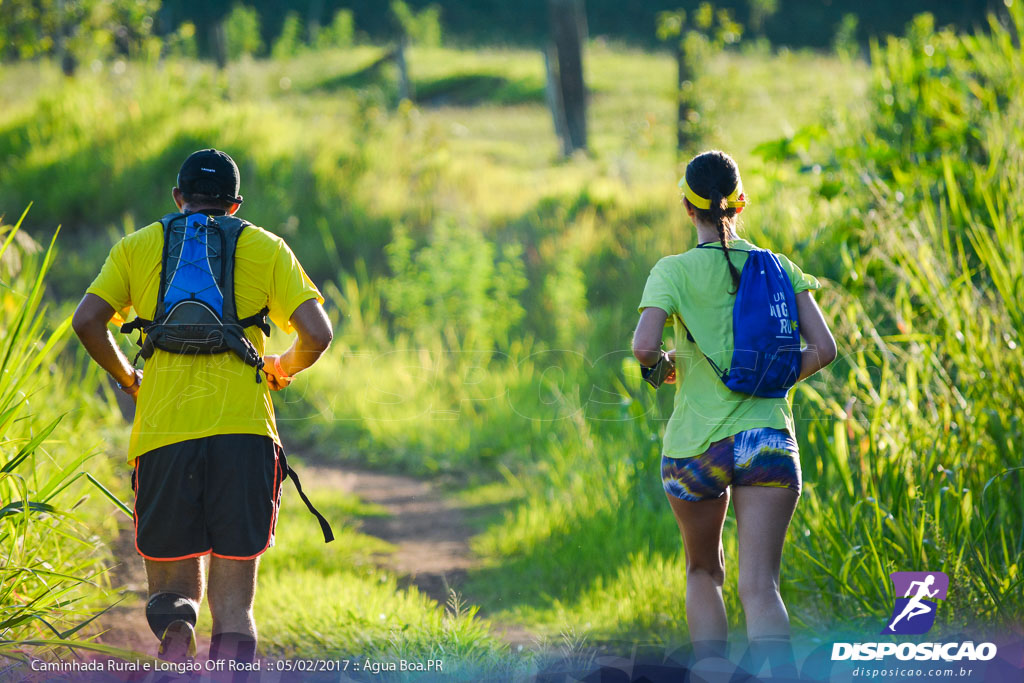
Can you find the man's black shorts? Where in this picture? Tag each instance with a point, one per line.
(218, 494)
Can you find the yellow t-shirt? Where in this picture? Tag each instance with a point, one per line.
(187, 397)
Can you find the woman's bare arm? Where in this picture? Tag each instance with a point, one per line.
(821, 347)
(648, 335)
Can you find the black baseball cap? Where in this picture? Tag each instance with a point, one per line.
(210, 172)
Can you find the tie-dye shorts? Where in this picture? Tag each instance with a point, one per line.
(756, 457)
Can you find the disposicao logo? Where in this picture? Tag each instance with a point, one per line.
(914, 614)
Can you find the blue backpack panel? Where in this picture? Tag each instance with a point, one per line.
(766, 336)
(193, 278)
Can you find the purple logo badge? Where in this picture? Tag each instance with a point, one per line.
(916, 593)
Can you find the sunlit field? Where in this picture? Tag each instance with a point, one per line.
(484, 293)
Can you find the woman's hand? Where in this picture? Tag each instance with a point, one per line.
(275, 380)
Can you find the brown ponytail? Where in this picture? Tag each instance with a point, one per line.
(715, 175)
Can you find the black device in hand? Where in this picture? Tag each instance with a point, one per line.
(656, 374)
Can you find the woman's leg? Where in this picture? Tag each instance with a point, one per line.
(762, 518)
(701, 526)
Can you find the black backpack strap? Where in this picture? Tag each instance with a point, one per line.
(230, 229)
(140, 323)
(325, 527)
(259, 320)
(235, 338)
(137, 324)
(721, 375)
(162, 290)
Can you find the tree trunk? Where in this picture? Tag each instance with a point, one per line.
(682, 100)
(405, 91)
(219, 43)
(554, 97)
(68, 63)
(568, 32)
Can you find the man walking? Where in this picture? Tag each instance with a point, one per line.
(204, 443)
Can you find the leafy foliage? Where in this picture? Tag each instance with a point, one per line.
(936, 336)
(242, 32)
(456, 285)
(696, 38)
(419, 28)
(48, 558)
(339, 33)
(79, 30)
(290, 41)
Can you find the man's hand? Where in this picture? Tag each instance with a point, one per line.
(133, 389)
(275, 380)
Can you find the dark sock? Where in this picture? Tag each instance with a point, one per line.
(238, 647)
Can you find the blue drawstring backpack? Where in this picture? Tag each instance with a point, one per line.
(766, 336)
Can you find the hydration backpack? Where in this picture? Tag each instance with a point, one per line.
(195, 307)
(766, 337)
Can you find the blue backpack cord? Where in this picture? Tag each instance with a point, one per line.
(193, 274)
(766, 337)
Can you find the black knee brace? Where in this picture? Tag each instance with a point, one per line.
(165, 608)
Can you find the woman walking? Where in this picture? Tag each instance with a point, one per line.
(716, 438)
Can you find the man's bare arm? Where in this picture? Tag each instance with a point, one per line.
(315, 336)
(90, 324)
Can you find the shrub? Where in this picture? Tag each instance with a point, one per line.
(242, 32)
(340, 33)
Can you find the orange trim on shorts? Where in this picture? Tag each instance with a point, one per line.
(273, 517)
(172, 559)
(135, 521)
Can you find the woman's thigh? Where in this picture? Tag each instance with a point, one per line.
(763, 514)
(700, 523)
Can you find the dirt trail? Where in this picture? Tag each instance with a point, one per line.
(431, 536)
(125, 624)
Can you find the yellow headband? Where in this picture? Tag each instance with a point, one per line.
(732, 201)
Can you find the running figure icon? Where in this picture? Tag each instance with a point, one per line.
(915, 607)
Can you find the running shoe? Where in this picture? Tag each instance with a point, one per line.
(178, 643)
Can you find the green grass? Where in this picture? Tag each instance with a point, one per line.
(321, 600)
(484, 294)
(52, 502)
